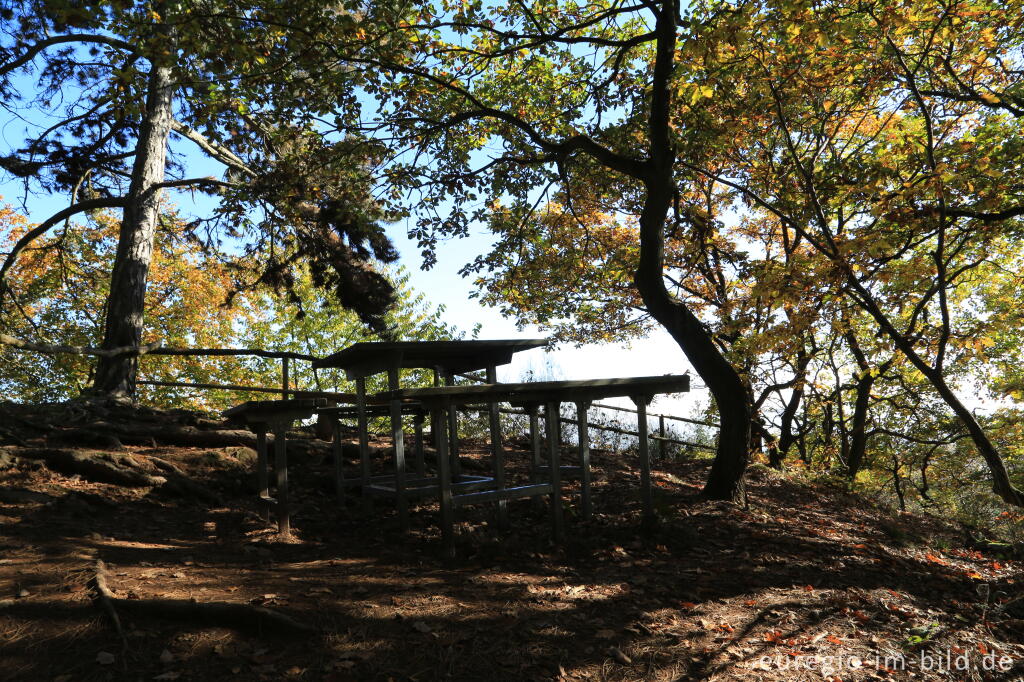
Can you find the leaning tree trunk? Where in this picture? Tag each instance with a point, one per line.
(731, 392)
(115, 376)
(1002, 485)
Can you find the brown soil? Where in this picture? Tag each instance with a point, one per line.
(715, 592)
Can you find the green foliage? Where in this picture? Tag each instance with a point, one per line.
(60, 287)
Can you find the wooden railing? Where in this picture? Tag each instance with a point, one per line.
(662, 436)
(286, 390)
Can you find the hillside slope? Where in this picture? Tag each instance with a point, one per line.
(805, 583)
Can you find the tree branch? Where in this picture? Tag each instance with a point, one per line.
(35, 49)
(43, 227)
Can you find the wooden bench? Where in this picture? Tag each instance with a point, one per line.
(530, 395)
(274, 416)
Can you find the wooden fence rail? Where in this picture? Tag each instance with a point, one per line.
(285, 390)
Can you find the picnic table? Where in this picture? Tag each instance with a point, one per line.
(275, 416)
(446, 358)
(529, 395)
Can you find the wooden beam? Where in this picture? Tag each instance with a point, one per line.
(502, 494)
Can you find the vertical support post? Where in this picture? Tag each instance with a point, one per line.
(364, 443)
(284, 524)
(647, 500)
(662, 444)
(421, 465)
(555, 469)
(444, 478)
(336, 453)
(284, 378)
(497, 450)
(535, 462)
(584, 448)
(262, 474)
(435, 426)
(453, 430)
(398, 440)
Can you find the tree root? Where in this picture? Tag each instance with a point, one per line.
(100, 467)
(105, 599)
(104, 467)
(241, 617)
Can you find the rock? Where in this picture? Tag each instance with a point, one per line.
(243, 455)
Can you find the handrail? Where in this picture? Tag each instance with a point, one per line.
(154, 348)
(345, 397)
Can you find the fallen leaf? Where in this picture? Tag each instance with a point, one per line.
(166, 656)
(619, 656)
(420, 626)
(105, 658)
(604, 634)
(169, 675)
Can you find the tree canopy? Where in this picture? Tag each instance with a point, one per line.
(819, 201)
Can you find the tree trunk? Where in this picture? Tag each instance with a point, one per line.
(858, 427)
(786, 435)
(115, 376)
(734, 400)
(1001, 483)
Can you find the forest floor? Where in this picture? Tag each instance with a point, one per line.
(806, 582)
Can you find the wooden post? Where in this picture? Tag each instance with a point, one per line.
(284, 378)
(646, 497)
(421, 465)
(364, 443)
(262, 474)
(453, 431)
(281, 474)
(584, 449)
(497, 451)
(555, 469)
(434, 426)
(445, 482)
(535, 461)
(336, 452)
(662, 444)
(398, 440)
